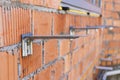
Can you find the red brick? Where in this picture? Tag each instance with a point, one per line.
(43, 75)
(114, 44)
(117, 7)
(116, 1)
(4, 66)
(108, 37)
(67, 64)
(109, 21)
(71, 20)
(59, 23)
(53, 72)
(67, 24)
(83, 21)
(64, 47)
(91, 21)
(12, 30)
(116, 30)
(8, 67)
(74, 74)
(74, 44)
(80, 41)
(115, 15)
(75, 58)
(77, 21)
(33, 62)
(57, 70)
(37, 2)
(52, 4)
(51, 50)
(109, 6)
(116, 37)
(116, 23)
(42, 23)
(34, 2)
(107, 14)
(1, 28)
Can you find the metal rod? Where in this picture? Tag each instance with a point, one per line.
(88, 27)
(110, 73)
(104, 68)
(91, 27)
(106, 59)
(54, 37)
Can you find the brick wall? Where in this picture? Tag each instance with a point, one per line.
(55, 59)
(111, 16)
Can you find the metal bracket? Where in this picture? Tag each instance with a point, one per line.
(27, 41)
(26, 45)
(73, 29)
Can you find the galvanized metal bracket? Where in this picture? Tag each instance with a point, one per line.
(28, 39)
(74, 29)
(26, 45)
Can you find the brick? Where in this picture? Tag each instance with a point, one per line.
(33, 62)
(67, 64)
(108, 37)
(107, 14)
(37, 2)
(67, 24)
(64, 47)
(42, 23)
(74, 44)
(43, 75)
(109, 21)
(116, 23)
(59, 23)
(75, 58)
(115, 15)
(116, 1)
(114, 44)
(52, 4)
(116, 30)
(53, 72)
(111, 51)
(109, 6)
(8, 67)
(34, 2)
(80, 68)
(77, 21)
(83, 21)
(3, 66)
(1, 29)
(57, 70)
(74, 74)
(71, 20)
(51, 50)
(116, 37)
(80, 41)
(117, 7)
(12, 30)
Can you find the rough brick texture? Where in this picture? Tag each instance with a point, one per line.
(56, 59)
(8, 67)
(111, 40)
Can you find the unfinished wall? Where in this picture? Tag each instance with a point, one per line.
(55, 59)
(111, 38)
